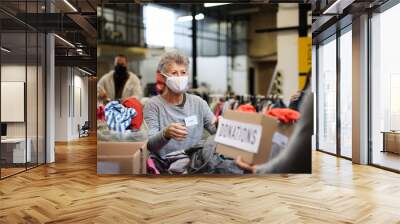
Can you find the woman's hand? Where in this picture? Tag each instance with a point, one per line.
(175, 131)
(245, 166)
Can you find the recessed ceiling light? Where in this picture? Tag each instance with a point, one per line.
(214, 4)
(199, 16)
(5, 49)
(86, 72)
(70, 5)
(65, 41)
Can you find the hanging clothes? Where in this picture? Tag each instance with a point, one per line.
(279, 104)
(284, 115)
(118, 117)
(218, 109)
(247, 108)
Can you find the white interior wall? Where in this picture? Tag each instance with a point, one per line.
(32, 127)
(214, 72)
(239, 75)
(12, 73)
(79, 118)
(61, 103)
(287, 43)
(67, 119)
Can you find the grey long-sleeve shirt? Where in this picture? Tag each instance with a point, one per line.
(159, 114)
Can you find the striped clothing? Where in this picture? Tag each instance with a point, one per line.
(118, 117)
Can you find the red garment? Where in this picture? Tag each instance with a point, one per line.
(134, 103)
(218, 109)
(160, 83)
(100, 113)
(246, 108)
(285, 115)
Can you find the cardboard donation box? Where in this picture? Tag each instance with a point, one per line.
(250, 135)
(121, 158)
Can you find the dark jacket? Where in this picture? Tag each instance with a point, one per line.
(296, 158)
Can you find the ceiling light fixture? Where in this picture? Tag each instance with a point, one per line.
(5, 50)
(199, 16)
(185, 18)
(70, 5)
(207, 5)
(337, 7)
(64, 40)
(84, 71)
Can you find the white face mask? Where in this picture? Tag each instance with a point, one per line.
(177, 84)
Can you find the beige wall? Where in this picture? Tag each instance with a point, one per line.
(17, 73)
(264, 72)
(262, 44)
(34, 126)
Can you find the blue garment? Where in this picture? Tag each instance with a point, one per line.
(118, 117)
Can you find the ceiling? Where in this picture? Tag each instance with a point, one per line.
(73, 20)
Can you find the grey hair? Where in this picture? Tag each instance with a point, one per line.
(172, 57)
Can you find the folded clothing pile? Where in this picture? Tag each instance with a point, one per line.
(122, 116)
(118, 117)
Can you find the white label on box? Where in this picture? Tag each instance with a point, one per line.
(240, 135)
(280, 139)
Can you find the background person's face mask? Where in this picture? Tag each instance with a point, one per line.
(177, 84)
(120, 70)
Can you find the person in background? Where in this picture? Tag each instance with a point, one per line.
(176, 119)
(119, 84)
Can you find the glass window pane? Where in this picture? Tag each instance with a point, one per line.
(14, 153)
(385, 89)
(41, 99)
(327, 97)
(346, 94)
(31, 97)
(159, 22)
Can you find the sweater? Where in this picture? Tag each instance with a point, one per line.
(159, 114)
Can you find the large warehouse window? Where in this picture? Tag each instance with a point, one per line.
(160, 26)
(385, 88)
(327, 96)
(346, 93)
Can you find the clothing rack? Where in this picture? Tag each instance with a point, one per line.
(219, 103)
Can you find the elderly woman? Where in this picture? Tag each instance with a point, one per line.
(176, 119)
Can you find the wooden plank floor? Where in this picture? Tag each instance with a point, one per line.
(69, 191)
